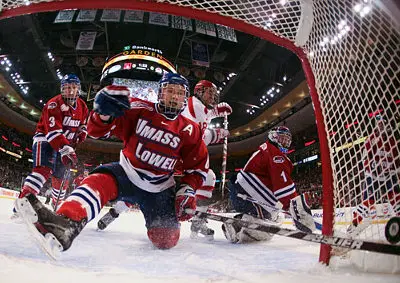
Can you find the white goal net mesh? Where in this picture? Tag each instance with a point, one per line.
(353, 49)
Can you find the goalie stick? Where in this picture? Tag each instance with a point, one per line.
(269, 207)
(356, 244)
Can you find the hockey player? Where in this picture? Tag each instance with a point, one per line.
(155, 136)
(266, 179)
(381, 158)
(78, 180)
(61, 127)
(201, 108)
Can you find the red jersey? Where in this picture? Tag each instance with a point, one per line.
(153, 144)
(59, 122)
(78, 180)
(266, 176)
(381, 157)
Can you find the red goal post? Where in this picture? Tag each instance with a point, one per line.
(349, 51)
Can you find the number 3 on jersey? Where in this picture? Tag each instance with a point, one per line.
(52, 121)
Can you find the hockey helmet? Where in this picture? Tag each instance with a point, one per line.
(281, 136)
(70, 88)
(207, 92)
(173, 93)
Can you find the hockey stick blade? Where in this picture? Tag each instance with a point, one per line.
(269, 207)
(355, 244)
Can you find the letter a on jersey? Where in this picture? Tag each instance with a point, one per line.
(188, 128)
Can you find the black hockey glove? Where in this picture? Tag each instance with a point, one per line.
(112, 101)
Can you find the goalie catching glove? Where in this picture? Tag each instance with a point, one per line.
(184, 199)
(112, 101)
(301, 214)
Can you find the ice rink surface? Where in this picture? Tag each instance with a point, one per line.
(122, 253)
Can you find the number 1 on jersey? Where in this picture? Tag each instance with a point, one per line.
(284, 176)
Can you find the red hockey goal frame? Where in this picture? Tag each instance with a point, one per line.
(213, 16)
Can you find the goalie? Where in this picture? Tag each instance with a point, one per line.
(266, 179)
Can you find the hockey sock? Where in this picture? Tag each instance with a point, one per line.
(58, 192)
(88, 199)
(394, 199)
(363, 211)
(35, 181)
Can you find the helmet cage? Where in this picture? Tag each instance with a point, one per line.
(70, 88)
(282, 137)
(172, 99)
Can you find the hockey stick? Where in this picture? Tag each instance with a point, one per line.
(67, 173)
(269, 207)
(224, 157)
(65, 178)
(357, 244)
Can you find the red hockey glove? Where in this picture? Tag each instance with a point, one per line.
(68, 156)
(218, 135)
(223, 109)
(81, 134)
(184, 199)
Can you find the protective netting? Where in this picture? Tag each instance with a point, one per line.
(354, 53)
(353, 48)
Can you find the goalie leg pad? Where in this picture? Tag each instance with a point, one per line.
(163, 238)
(236, 234)
(301, 214)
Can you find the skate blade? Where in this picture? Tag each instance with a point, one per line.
(16, 219)
(201, 237)
(48, 243)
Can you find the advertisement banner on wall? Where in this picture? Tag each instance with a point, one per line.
(64, 16)
(86, 16)
(181, 23)
(110, 16)
(200, 54)
(133, 16)
(86, 40)
(158, 19)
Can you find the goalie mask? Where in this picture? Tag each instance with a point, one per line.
(173, 93)
(207, 92)
(70, 88)
(281, 136)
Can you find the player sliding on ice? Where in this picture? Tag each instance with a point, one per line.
(155, 137)
(201, 109)
(266, 180)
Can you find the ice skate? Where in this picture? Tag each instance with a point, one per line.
(15, 217)
(106, 220)
(54, 233)
(199, 229)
